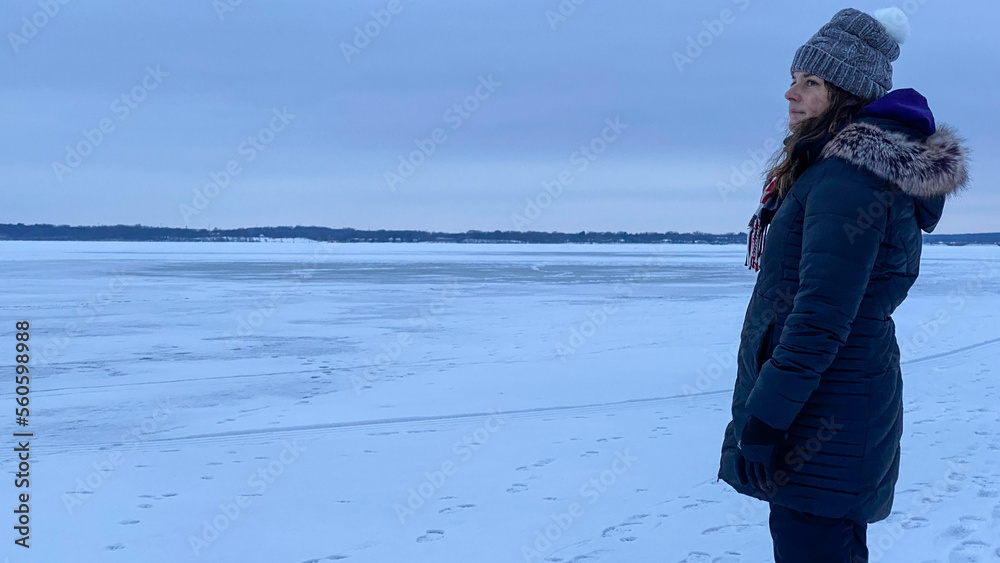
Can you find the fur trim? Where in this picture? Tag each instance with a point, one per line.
(926, 169)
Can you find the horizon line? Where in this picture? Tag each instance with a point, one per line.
(399, 230)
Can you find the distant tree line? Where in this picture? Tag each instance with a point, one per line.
(20, 231)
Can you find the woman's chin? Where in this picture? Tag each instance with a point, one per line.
(797, 119)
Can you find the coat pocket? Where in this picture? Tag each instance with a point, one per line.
(764, 352)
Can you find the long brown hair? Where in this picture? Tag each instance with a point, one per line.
(787, 164)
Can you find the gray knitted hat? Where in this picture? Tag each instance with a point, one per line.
(855, 51)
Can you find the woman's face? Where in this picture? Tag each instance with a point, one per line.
(808, 97)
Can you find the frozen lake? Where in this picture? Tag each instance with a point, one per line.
(309, 402)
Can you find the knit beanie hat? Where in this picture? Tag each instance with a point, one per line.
(855, 51)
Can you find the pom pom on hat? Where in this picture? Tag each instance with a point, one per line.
(896, 24)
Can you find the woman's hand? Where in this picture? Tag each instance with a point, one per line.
(758, 447)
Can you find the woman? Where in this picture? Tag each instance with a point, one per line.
(817, 407)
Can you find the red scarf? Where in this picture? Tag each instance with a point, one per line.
(769, 202)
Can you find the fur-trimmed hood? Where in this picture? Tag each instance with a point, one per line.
(923, 169)
(895, 138)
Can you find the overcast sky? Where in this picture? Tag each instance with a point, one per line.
(439, 115)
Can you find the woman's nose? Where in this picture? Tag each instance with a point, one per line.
(790, 94)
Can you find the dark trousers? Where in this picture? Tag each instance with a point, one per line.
(800, 537)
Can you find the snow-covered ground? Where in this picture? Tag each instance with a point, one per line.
(312, 402)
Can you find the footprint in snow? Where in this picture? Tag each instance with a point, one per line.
(702, 557)
(967, 526)
(915, 522)
(971, 551)
(727, 528)
(698, 503)
(449, 510)
(431, 535)
(619, 530)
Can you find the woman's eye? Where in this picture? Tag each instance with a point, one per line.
(812, 82)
